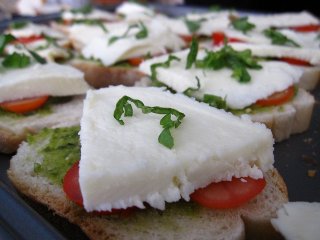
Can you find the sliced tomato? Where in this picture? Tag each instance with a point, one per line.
(228, 194)
(218, 38)
(135, 61)
(71, 187)
(26, 40)
(295, 61)
(71, 184)
(187, 38)
(307, 28)
(24, 105)
(277, 98)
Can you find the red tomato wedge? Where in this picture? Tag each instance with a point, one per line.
(187, 38)
(228, 194)
(277, 98)
(295, 61)
(24, 105)
(26, 40)
(71, 187)
(135, 61)
(218, 38)
(307, 28)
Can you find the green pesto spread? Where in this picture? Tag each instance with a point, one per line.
(61, 151)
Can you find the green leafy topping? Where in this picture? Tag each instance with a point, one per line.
(37, 57)
(192, 55)
(92, 22)
(59, 154)
(165, 64)
(18, 24)
(4, 40)
(242, 24)
(194, 26)
(142, 33)
(85, 9)
(215, 101)
(278, 38)
(16, 60)
(237, 61)
(124, 108)
(188, 92)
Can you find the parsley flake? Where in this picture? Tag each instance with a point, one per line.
(194, 26)
(278, 38)
(18, 24)
(16, 60)
(242, 24)
(237, 61)
(165, 64)
(124, 108)
(142, 33)
(192, 55)
(84, 10)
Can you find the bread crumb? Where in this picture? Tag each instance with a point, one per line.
(312, 173)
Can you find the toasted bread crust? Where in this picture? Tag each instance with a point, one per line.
(99, 76)
(9, 141)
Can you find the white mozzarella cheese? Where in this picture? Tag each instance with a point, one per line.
(131, 8)
(159, 39)
(209, 15)
(207, 26)
(38, 80)
(125, 165)
(305, 40)
(273, 77)
(310, 55)
(32, 29)
(49, 52)
(298, 220)
(97, 14)
(283, 19)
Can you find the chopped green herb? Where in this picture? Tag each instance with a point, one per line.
(215, 101)
(123, 107)
(16, 60)
(18, 24)
(143, 33)
(194, 26)
(278, 38)
(165, 64)
(85, 9)
(192, 55)
(188, 92)
(37, 57)
(92, 22)
(4, 40)
(227, 57)
(242, 24)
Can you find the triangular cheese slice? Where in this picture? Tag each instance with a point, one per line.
(125, 165)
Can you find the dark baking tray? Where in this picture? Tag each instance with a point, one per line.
(21, 218)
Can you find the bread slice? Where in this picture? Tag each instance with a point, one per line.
(293, 117)
(13, 130)
(310, 78)
(180, 220)
(99, 76)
